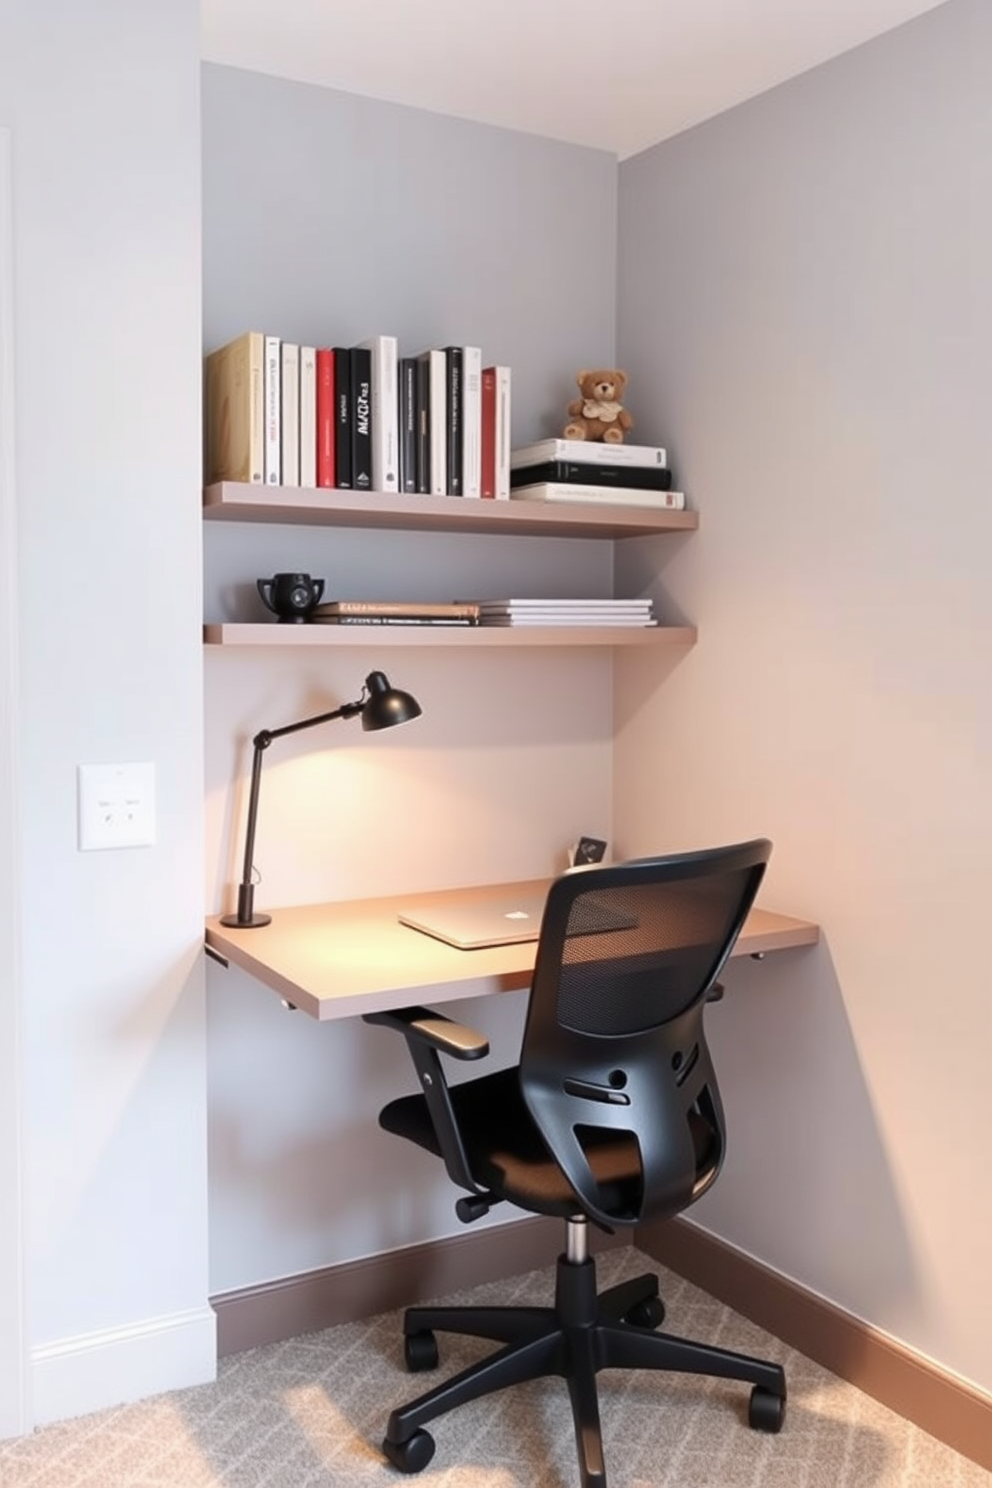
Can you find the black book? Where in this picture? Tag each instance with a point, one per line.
(343, 469)
(453, 365)
(361, 418)
(408, 423)
(574, 473)
(423, 432)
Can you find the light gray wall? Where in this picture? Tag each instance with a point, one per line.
(328, 218)
(806, 312)
(102, 104)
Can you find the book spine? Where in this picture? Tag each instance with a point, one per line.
(471, 421)
(395, 620)
(503, 430)
(290, 413)
(234, 411)
(273, 412)
(308, 416)
(326, 417)
(385, 411)
(362, 421)
(453, 440)
(487, 437)
(437, 377)
(423, 431)
(442, 609)
(342, 421)
(408, 424)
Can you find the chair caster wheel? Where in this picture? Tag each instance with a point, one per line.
(412, 1455)
(766, 1411)
(420, 1351)
(647, 1314)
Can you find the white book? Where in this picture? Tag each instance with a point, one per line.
(273, 414)
(600, 495)
(438, 395)
(471, 421)
(588, 452)
(290, 413)
(571, 617)
(503, 433)
(385, 413)
(308, 416)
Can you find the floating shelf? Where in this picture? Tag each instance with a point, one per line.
(231, 502)
(470, 637)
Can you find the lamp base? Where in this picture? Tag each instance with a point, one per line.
(252, 923)
(245, 917)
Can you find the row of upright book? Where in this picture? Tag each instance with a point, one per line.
(360, 418)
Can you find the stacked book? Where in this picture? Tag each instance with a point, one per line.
(360, 418)
(598, 612)
(395, 612)
(574, 470)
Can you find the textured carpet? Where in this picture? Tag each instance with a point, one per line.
(310, 1413)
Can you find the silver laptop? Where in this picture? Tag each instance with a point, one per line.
(505, 919)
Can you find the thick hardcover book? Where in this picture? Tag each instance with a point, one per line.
(308, 416)
(273, 411)
(422, 462)
(362, 419)
(487, 438)
(326, 417)
(290, 414)
(413, 608)
(599, 495)
(234, 411)
(437, 377)
(588, 452)
(453, 387)
(571, 472)
(342, 419)
(385, 411)
(408, 423)
(471, 421)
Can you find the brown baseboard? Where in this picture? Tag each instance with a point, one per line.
(359, 1289)
(912, 1386)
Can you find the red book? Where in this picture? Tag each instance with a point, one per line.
(488, 433)
(325, 416)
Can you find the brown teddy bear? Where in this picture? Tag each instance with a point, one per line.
(599, 413)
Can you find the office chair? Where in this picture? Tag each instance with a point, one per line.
(612, 1117)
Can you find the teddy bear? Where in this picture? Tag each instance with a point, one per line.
(599, 413)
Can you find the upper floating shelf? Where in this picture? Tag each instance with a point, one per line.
(232, 502)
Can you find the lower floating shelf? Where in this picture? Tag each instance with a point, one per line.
(274, 634)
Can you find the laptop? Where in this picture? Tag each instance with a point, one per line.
(505, 918)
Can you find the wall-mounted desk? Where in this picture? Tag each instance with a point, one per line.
(343, 959)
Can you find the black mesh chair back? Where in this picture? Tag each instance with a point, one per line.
(614, 1041)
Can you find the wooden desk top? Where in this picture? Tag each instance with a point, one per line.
(343, 959)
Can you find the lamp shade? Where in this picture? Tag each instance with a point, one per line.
(385, 705)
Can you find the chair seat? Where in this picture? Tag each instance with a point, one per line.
(507, 1155)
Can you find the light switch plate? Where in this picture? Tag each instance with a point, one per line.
(116, 806)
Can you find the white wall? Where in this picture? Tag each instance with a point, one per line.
(438, 231)
(102, 105)
(12, 1372)
(806, 311)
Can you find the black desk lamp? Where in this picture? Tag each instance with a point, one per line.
(380, 705)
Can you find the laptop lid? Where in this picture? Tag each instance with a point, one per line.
(504, 919)
(508, 919)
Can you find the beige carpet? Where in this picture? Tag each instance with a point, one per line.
(310, 1414)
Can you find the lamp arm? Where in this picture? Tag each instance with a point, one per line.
(246, 890)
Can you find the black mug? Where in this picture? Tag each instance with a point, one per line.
(291, 596)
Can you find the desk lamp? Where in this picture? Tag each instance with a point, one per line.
(380, 706)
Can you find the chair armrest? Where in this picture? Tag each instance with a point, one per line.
(441, 1033)
(427, 1035)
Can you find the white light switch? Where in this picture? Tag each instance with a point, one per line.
(116, 806)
